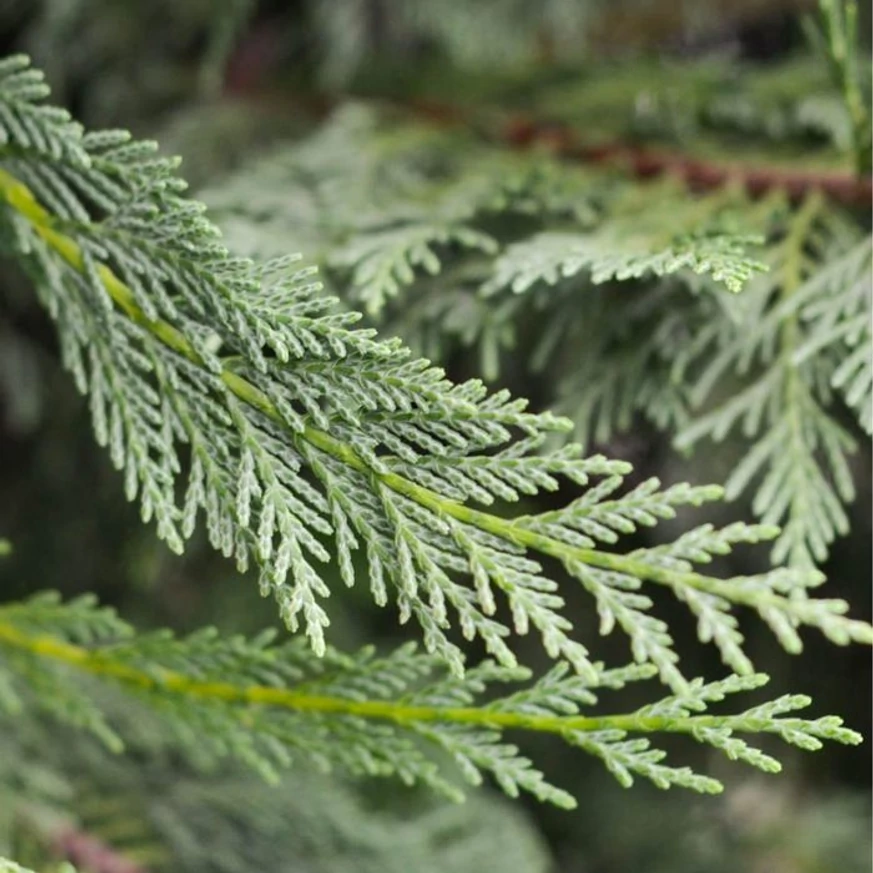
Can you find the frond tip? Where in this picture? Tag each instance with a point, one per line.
(550, 257)
(270, 703)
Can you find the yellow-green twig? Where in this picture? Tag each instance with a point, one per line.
(100, 663)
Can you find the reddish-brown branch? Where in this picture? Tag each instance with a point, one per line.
(522, 131)
(91, 853)
(845, 188)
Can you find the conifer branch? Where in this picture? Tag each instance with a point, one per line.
(398, 452)
(521, 531)
(241, 688)
(235, 396)
(787, 363)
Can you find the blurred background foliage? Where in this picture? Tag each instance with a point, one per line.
(219, 81)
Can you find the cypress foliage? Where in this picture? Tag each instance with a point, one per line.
(283, 405)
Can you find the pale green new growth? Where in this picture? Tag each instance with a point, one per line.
(794, 353)
(637, 242)
(836, 310)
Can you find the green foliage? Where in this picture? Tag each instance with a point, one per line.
(266, 703)
(713, 107)
(73, 40)
(549, 257)
(235, 396)
(398, 453)
(384, 196)
(697, 362)
(178, 343)
(836, 38)
(343, 32)
(152, 810)
(835, 308)
(783, 407)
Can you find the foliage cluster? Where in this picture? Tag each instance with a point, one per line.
(236, 396)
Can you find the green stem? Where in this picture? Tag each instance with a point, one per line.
(20, 198)
(100, 663)
(789, 335)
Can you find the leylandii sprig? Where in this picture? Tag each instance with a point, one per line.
(269, 703)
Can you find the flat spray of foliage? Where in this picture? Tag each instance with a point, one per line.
(234, 395)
